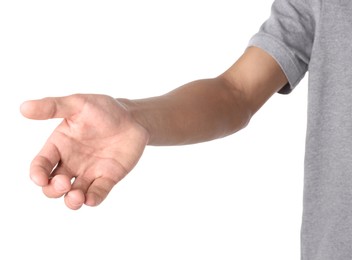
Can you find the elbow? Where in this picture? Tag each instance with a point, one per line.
(246, 119)
(240, 107)
(242, 114)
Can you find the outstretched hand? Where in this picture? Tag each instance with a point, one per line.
(95, 146)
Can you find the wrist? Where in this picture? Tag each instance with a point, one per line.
(136, 114)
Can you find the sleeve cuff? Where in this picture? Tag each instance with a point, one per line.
(293, 68)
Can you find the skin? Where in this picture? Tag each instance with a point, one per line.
(101, 139)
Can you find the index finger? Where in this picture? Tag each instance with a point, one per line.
(44, 163)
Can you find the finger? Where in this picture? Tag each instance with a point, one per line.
(57, 187)
(52, 107)
(98, 191)
(59, 183)
(43, 164)
(76, 197)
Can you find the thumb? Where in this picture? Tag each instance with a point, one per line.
(52, 107)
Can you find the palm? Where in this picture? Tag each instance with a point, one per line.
(97, 145)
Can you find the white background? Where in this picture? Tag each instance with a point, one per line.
(235, 198)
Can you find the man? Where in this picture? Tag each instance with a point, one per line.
(101, 139)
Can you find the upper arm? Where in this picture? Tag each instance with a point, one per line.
(282, 54)
(257, 75)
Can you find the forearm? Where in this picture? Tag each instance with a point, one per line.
(199, 111)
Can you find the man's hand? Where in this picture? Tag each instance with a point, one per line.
(94, 147)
